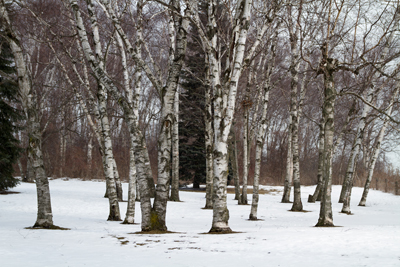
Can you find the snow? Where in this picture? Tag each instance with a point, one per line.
(369, 237)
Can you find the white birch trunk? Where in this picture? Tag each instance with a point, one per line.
(234, 162)
(243, 196)
(377, 148)
(117, 179)
(62, 156)
(289, 167)
(294, 71)
(317, 193)
(89, 157)
(175, 152)
(262, 126)
(209, 142)
(96, 65)
(328, 112)
(351, 167)
(224, 103)
(130, 210)
(109, 164)
(28, 99)
(167, 120)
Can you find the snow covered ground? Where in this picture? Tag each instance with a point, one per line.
(369, 237)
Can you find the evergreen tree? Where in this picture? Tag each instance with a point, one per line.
(9, 116)
(192, 156)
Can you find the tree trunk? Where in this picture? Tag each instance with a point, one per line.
(89, 157)
(289, 168)
(130, 210)
(317, 193)
(209, 148)
(118, 183)
(294, 71)
(377, 149)
(328, 112)
(220, 209)
(351, 167)
(28, 99)
(243, 196)
(62, 153)
(109, 166)
(175, 152)
(30, 175)
(234, 163)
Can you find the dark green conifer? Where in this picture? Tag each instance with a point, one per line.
(192, 156)
(9, 117)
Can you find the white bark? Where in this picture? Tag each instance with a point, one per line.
(97, 67)
(130, 210)
(294, 71)
(224, 103)
(351, 167)
(234, 162)
(175, 152)
(328, 112)
(377, 148)
(289, 167)
(246, 159)
(317, 193)
(89, 157)
(28, 99)
(262, 127)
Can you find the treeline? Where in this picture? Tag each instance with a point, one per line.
(211, 92)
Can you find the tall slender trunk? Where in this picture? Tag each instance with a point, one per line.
(114, 214)
(168, 119)
(377, 148)
(328, 112)
(28, 99)
(294, 71)
(289, 167)
(89, 157)
(262, 125)
(243, 196)
(62, 154)
(317, 193)
(224, 104)
(351, 167)
(209, 148)
(175, 152)
(234, 162)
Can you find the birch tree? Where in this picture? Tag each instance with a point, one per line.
(29, 102)
(152, 218)
(261, 130)
(224, 84)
